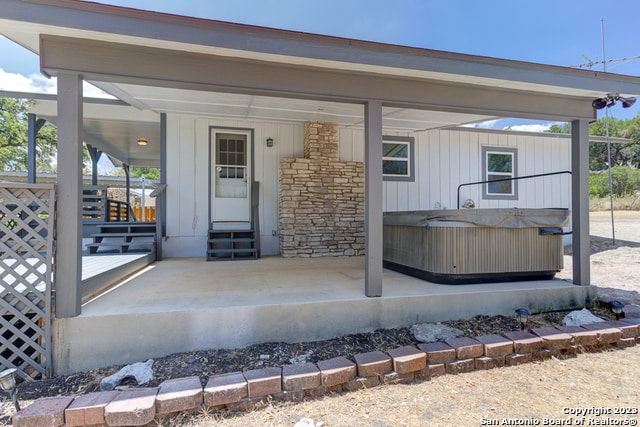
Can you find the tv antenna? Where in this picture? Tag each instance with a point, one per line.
(591, 63)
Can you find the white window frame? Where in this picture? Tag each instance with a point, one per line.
(486, 152)
(409, 142)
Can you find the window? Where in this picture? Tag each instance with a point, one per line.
(231, 166)
(397, 158)
(498, 164)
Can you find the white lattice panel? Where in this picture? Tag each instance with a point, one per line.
(27, 228)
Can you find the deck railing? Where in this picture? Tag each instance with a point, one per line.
(96, 207)
(117, 210)
(149, 214)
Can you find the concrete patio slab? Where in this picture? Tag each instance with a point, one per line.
(196, 305)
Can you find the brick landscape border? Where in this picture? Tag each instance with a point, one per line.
(241, 391)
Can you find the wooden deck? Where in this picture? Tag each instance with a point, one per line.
(99, 272)
(94, 268)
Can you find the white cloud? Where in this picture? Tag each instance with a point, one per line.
(18, 83)
(523, 127)
(37, 83)
(534, 127)
(489, 124)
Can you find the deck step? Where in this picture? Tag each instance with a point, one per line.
(228, 245)
(98, 236)
(127, 227)
(121, 247)
(123, 237)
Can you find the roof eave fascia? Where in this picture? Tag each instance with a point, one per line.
(313, 49)
(102, 61)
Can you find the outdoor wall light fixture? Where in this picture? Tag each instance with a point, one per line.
(269, 142)
(616, 307)
(610, 100)
(523, 316)
(142, 141)
(8, 384)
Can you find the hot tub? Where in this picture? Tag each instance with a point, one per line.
(475, 245)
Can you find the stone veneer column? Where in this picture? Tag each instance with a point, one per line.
(321, 199)
(321, 141)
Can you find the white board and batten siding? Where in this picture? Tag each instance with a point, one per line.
(188, 189)
(443, 160)
(447, 158)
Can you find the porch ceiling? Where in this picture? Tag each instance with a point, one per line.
(256, 107)
(114, 128)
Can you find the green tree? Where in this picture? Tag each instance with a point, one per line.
(625, 182)
(631, 150)
(622, 154)
(562, 128)
(13, 139)
(149, 173)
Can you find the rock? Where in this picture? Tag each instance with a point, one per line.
(432, 332)
(142, 372)
(580, 317)
(301, 358)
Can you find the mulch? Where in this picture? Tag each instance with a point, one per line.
(209, 362)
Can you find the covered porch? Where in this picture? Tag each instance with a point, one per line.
(191, 77)
(194, 304)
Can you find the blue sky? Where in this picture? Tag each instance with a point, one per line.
(558, 32)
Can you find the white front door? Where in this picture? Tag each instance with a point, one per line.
(230, 176)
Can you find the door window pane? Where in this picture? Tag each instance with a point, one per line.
(231, 166)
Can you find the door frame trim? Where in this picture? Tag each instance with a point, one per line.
(250, 145)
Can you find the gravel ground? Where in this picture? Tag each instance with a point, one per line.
(615, 270)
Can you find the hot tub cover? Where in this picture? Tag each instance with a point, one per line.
(501, 217)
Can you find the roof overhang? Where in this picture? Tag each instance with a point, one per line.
(120, 63)
(24, 20)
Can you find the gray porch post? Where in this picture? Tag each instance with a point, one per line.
(580, 202)
(127, 181)
(33, 127)
(373, 198)
(95, 155)
(163, 177)
(31, 148)
(69, 218)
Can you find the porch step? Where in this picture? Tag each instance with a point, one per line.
(102, 235)
(124, 237)
(227, 245)
(122, 246)
(127, 227)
